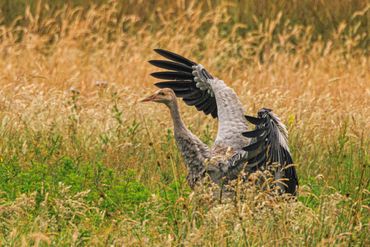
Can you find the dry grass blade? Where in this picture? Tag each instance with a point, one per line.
(81, 163)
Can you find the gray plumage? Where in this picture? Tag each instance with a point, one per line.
(235, 149)
(194, 151)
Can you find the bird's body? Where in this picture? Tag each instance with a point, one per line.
(235, 148)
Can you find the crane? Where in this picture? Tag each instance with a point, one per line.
(236, 149)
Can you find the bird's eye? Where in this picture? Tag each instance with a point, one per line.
(161, 93)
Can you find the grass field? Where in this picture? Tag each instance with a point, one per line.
(82, 163)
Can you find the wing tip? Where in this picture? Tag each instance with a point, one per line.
(254, 120)
(152, 62)
(158, 50)
(174, 57)
(153, 74)
(161, 52)
(159, 84)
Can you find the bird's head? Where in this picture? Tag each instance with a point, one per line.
(164, 95)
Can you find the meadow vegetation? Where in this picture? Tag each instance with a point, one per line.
(83, 163)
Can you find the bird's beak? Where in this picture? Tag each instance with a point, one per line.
(149, 98)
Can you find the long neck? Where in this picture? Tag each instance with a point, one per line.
(192, 149)
(185, 139)
(178, 124)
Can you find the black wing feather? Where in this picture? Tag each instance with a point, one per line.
(254, 120)
(176, 84)
(202, 102)
(254, 133)
(266, 141)
(208, 107)
(256, 162)
(174, 57)
(173, 75)
(181, 80)
(214, 111)
(195, 101)
(171, 65)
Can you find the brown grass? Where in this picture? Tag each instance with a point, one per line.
(49, 74)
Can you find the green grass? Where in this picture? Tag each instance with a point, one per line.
(83, 164)
(72, 192)
(111, 190)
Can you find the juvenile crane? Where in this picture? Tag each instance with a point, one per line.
(235, 149)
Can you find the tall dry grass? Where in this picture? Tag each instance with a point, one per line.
(70, 82)
(324, 15)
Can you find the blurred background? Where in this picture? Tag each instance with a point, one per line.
(324, 16)
(83, 163)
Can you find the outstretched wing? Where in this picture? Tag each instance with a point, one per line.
(183, 78)
(198, 88)
(270, 145)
